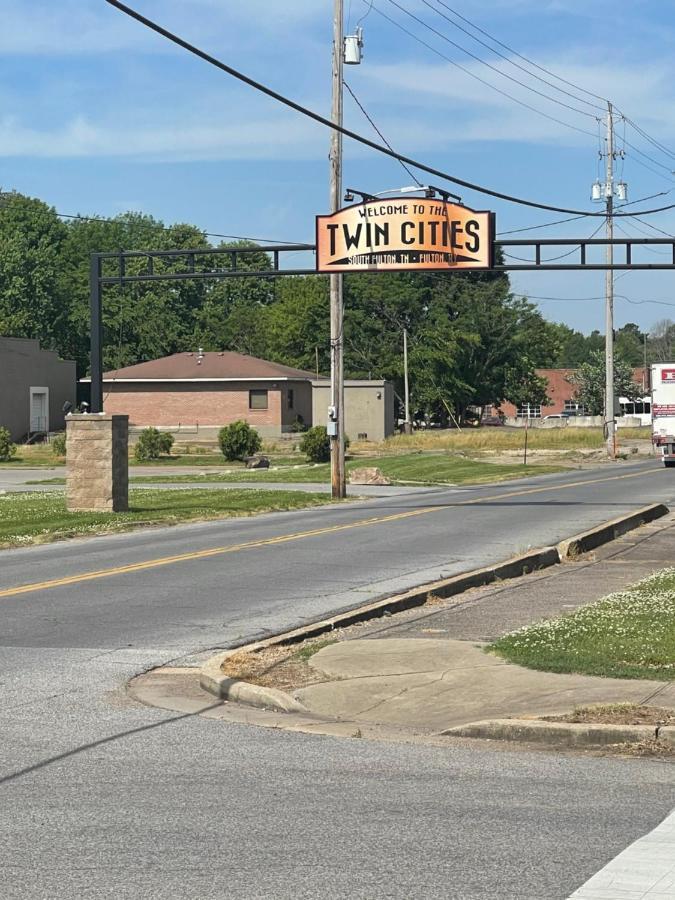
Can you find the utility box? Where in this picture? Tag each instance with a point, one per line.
(97, 462)
(369, 408)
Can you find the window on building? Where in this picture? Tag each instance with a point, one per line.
(291, 398)
(574, 407)
(257, 399)
(529, 411)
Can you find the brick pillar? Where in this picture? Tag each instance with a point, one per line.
(97, 462)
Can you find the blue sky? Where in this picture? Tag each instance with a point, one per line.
(98, 116)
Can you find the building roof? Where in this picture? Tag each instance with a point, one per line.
(208, 366)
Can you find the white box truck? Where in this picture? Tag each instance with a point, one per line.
(663, 410)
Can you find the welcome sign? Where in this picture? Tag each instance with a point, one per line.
(402, 233)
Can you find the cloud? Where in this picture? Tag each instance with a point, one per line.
(74, 27)
(641, 90)
(275, 137)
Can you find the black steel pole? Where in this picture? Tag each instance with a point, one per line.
(96, 334)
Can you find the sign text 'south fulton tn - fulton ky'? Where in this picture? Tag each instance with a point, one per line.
(404, 233)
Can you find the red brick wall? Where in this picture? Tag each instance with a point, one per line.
(559, 389)
(212, 403)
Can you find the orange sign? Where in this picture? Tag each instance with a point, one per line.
(404, 233)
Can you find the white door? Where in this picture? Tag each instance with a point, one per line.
(39, 409)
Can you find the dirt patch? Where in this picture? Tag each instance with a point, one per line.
(618, 714)
(284, 668)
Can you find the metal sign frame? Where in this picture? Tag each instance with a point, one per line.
(108, 269)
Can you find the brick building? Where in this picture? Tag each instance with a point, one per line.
(560, 392)
(194, 394)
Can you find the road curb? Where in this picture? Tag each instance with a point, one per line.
(562, 734)
(609, 531)
(212, 680)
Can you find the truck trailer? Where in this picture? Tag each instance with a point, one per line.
(663, 410)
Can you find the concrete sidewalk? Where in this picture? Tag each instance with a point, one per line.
(425, 670)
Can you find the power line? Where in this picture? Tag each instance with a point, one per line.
(576, 218)
(633, 124)
(647, 156)
(520, 55)
(310, 114)
(162, 226)
(511, 62)
(659, 252)
(377, 130)
(654, 228)
(562, 255)
(591, 299)
(648, 137)
(545, 225)
(473, 75)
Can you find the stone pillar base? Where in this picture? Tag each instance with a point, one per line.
(97, 463)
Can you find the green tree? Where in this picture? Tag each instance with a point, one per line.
(589, 382)
(231, 314)
(32, 299)
(629, 344)
(141, 321)
(297, 323)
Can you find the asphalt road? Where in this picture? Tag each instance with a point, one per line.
(102, 798)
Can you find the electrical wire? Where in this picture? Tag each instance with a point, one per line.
(659, 252)
(545, 225)
(473, 75)
(292, 104)
(512, 63)
(654, 228)
(160, 225)
(379, 133)
(647, 156)
(576, 218)
(648, 137)
(591, 299)
(562, 255)
(520, 55)
(633, 124)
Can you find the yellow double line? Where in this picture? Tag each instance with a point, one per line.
(295, 536)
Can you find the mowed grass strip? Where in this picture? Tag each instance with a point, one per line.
(39, 518)
(628, 634)
(415, 468)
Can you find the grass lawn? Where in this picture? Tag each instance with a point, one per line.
(628, 634)
(410, 468)
(42, 455)
(39, 518)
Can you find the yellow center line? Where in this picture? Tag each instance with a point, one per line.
(296, 536)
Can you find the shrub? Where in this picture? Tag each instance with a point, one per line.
(152, 443)
(298, 425)
(315, 444)
(238, 440)
(7, 448)
(59, 445)
(165, 442)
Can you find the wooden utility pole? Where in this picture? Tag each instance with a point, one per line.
(407, 427)
(610, 423)
(337, 392)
